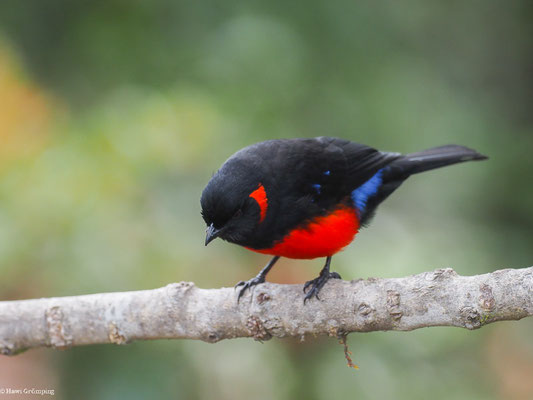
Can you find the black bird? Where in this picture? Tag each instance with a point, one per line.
(308, 198)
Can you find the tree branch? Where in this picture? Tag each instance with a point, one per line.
(183, 311)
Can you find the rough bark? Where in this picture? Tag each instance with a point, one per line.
(183, 311)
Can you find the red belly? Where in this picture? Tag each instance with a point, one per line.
(322, 237)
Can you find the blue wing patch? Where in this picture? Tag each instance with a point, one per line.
(368, 189)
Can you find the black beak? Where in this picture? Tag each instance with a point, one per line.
(211, 234)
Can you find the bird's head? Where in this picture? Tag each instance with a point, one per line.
(234, 203)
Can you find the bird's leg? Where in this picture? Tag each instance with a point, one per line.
(317, 283)
(260, 278)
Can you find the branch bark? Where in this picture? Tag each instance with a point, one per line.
(183, 311)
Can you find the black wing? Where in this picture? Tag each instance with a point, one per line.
(306, 178)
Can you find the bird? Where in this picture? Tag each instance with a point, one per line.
(307, 198)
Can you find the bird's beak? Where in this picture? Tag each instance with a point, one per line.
(211, 234)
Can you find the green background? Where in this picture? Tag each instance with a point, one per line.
(114, 114)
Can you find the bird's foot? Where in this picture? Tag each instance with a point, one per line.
(249, 284)
(317, 284)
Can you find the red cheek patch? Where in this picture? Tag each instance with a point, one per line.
(260, 196)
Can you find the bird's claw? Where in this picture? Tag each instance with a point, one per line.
(248, 284)
(317, 284)
(334, 275)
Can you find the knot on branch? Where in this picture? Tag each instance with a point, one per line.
(177, 290)
(393, 305)
(486, 299)
(263, 298)
(115, 336)
(365, 309)
(257, 329)
(57, 331)
(444, 273)
(471, 316)
(7, 349)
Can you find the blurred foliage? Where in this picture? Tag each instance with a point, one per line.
(114, 114)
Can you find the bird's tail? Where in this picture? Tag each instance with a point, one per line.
(435, 157)
(400, 169)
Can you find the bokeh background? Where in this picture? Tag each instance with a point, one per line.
(114, 114)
